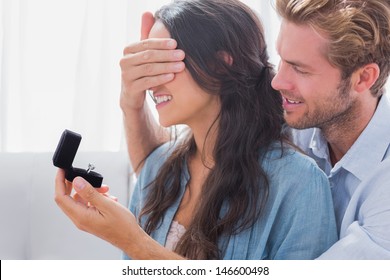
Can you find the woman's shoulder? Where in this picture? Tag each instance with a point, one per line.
(285, 154)
(288, 166)
(162, 152)
(153, 164)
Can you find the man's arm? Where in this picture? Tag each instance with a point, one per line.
(143, 134)
(145, 64)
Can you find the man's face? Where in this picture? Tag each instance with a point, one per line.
(313, 93)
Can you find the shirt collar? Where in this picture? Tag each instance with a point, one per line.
(318, 144)
(372, 144)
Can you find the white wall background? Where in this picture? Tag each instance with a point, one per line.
(59, 68)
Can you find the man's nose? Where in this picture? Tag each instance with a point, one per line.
(282, 80)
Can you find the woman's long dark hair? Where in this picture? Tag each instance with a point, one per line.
(226, 55)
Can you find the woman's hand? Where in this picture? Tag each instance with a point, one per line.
(103, 217)
(95, 213)
(103, 190)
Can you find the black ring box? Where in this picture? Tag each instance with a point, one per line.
(64, 155)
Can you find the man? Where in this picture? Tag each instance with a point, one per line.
(335, 60)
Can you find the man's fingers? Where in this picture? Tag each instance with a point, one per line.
(131, 74)
(145, 83)
(150, 44)
(147, 22)
(136, 66)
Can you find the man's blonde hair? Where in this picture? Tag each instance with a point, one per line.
(358, 32)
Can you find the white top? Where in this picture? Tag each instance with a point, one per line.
(176, 231)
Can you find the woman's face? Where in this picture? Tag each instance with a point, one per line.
(182, 101)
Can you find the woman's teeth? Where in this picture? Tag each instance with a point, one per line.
(162, 98)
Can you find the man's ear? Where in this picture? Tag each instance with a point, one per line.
(365, 77)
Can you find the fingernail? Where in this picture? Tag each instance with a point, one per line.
(178, 54)
(171, 43)
(178, 66)
(168, 76)
(79, 183)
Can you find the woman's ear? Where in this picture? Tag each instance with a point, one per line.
(226, 57)
(365, 77)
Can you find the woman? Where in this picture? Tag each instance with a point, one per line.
(233, 187)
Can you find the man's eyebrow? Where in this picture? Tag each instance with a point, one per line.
(300, 65)
(294, 63)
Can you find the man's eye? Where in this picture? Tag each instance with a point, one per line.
(296, 69)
